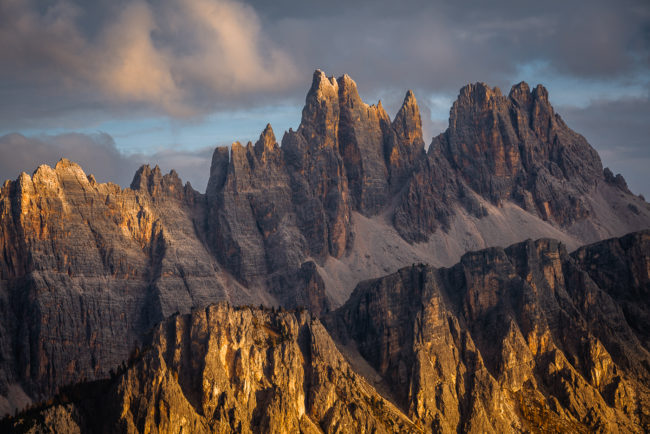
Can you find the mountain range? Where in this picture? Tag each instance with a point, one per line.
(389, 298)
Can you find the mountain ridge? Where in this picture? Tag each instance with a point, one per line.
(349, 195)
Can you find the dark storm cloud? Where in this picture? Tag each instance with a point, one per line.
(439, 46)
(98, 155)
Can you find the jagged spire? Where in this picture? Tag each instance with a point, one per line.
(408, 123)
(321, 85)
(266, 143)
(520, 94)
(153, 181)
(476, 94)
(321, 112)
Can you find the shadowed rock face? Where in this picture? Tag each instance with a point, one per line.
(621, 267)
(86, 268)
(521, 338)
(515, 339)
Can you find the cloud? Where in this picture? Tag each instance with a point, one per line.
(177, 57)
(97, 154)
(439, 46)
(190, 57)
(132, 68)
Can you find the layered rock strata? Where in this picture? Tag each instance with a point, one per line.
(516, 149)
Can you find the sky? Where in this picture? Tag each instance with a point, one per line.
(113, 84)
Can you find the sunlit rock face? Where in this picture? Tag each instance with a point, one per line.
(86, 269)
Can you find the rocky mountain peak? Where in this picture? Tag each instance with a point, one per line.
(301, 224)
(218, 169)
(319, 124)
(506, 149)
(346, 81)
(540, 93)
(323, 87)
(475, 102)
(145, 177)
(45, 177)
(477, 94)
(524, 97)
(63, 167)
(348, 92)
(266, 144)
(64, 164)
(409, 101)
(520, 93)
(44, 174)
(360, 144)
(408, 123)
(241, 160)
(152, 181)
(515, 316)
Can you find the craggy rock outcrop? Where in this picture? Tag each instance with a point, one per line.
(222, 369)
(272, 208)
(430, 199)
(507, 147)
(270, 215)
(361, 138)
(251, 219)
(522, 338)
(318, 179)
(252, 224)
